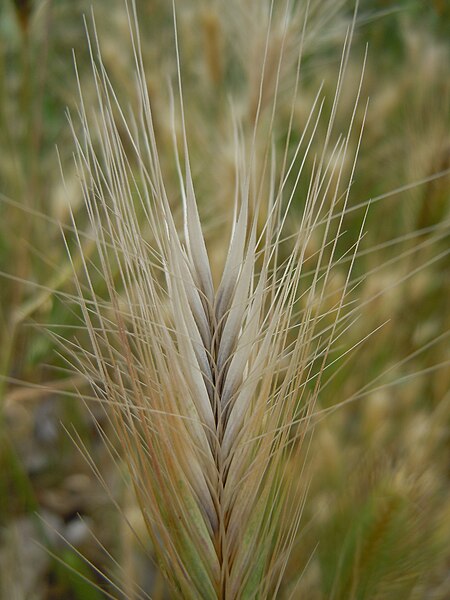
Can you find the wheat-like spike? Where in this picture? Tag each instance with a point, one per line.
(207, 388)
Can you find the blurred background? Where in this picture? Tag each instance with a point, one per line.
(376, 520)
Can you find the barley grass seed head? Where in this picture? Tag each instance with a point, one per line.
(210, 387)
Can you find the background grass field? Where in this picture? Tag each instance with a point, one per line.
(376, 518)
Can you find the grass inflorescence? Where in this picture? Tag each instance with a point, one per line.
(236, 304)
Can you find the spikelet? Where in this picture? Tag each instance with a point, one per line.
(209, 389)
